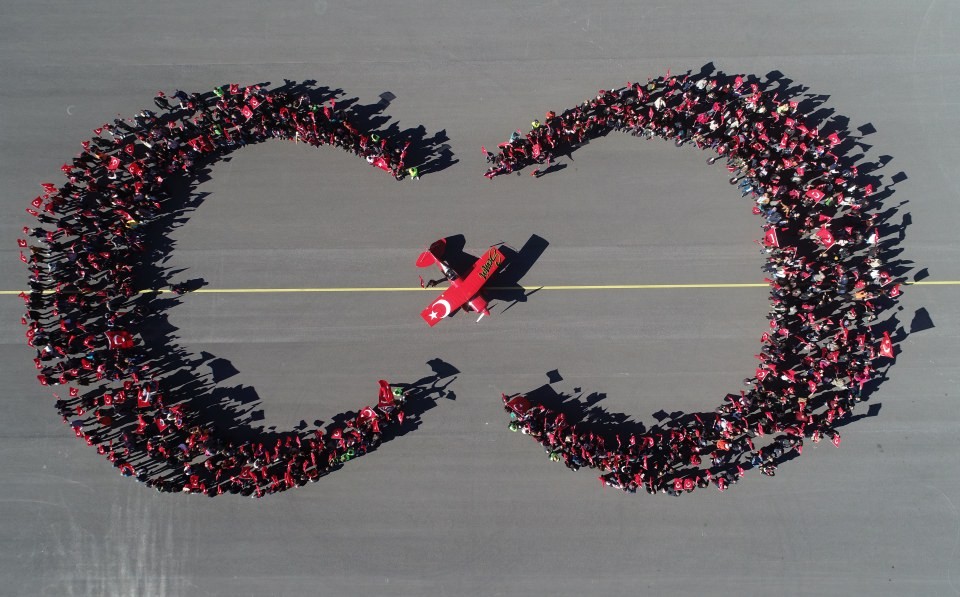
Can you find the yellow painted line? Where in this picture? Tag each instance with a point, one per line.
(374, 289)
(934, 283)
(647, 286)
(441, 288)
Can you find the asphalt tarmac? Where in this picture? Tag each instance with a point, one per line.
(461, 506)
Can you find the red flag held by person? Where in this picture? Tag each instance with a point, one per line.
(247, 112)
(119, 340)
(382, 163)
(770, 238)
(113, 163)
(826, 237)
(816, 194)
(886, 346)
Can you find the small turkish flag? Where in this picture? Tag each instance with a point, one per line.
(144, 400)
(886, 346)
(385, 394)
(247, 112)
(834, 139)
(254, 102)
(382, 163)
(119, 340)
(815, 194)
(826, 237)
(770, 238)
(113, 163)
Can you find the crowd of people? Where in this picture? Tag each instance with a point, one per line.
(827, 282)
(827, 279)
(83, 307)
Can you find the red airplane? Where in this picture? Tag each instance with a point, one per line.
(463, 290)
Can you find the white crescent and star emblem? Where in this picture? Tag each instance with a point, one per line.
(446, 306)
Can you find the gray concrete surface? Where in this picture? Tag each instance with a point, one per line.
(461, 506)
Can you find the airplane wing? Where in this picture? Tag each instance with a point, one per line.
(452, 299)
(482, 271)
